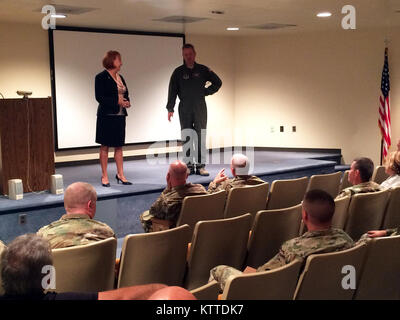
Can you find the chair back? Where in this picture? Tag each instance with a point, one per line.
(249, 199)
(201, 208)
(345, 181)
(327, 276)
(366, 212)
(341, 209)
(392, 213)
(327, 182)
(276, 284)
(214, 243)
(85, 268)
(379, 174)
(156, 257)
(270, 230)
(209, 291)
(286, 193)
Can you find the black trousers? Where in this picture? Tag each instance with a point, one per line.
(193, 119)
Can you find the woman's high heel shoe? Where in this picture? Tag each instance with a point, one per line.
(107, 185)
(126, 183)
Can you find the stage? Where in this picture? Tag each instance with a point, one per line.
(120, 206)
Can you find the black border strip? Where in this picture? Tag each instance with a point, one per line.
(52, 72)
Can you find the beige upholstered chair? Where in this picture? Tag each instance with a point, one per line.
(341, 210)
(270, 230)
(209, 291)
(250, 199)
(276, 284)
(286, 193)
(323, 275)
(216, 242)
(392, 213)
(345, 181)
(327, 182)
(366, 212)
(156, 257)
(380, 278)
(86, 268)
(201, 208)
(379, 174)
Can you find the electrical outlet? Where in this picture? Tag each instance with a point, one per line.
(294, 129)
(281, 129)
(22, 218)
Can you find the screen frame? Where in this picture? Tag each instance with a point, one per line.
(53, 77)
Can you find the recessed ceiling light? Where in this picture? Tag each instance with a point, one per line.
(324, 14)
(58, 15)
(232, 29)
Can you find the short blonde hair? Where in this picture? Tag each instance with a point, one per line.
(393, 162)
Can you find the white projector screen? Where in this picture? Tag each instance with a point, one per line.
(148, 62)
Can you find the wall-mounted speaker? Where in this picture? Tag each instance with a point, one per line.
(57, 184)
(15, 189)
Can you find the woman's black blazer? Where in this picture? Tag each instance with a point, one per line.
(106, 91)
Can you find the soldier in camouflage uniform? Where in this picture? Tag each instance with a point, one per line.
(360, 174)
(166, 209)
(317, 213)
(241, 178)
(77, 226)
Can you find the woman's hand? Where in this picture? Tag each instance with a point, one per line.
(124, 103)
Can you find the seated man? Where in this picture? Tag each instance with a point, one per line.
(360, 174)
(164, 212)
(317, 213)
(77, 226)
(21, 269)
(241, 178)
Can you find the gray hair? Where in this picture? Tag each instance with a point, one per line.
(21, 265)
(241, 164)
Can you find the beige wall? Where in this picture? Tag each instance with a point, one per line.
(327, 84)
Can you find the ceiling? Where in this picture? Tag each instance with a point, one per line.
(143, 15)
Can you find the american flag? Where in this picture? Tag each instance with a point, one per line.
(384, 107)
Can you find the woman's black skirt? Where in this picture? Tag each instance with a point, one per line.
(110, 131)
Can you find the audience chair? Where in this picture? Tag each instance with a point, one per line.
(286, 193)
(214, 243)
(324, 275)
(270, 230)
(201, 208)
(366, 212)
(392, 213)
(380, 277)
(1, 287)
(327, 182)
(249, 199)
(156, 257)
(341, 210)
(85, 268)
(209, 291)
(345, 181)
(379, 174)
(276, 284)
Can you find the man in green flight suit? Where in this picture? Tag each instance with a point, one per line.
(188, 82)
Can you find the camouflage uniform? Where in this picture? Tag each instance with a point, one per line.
(389, 233)
(74, 230)
(238, 181)
(169, 203)
(364, 187)
(312, 242)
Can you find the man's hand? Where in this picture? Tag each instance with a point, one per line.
(376, 233)
(220, 176)
(249, 270)
(170, 115)
(126, 104)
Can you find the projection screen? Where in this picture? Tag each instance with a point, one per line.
(148, 62)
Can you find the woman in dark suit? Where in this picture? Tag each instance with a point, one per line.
(113, 98)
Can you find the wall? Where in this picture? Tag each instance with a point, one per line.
(327, 84)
